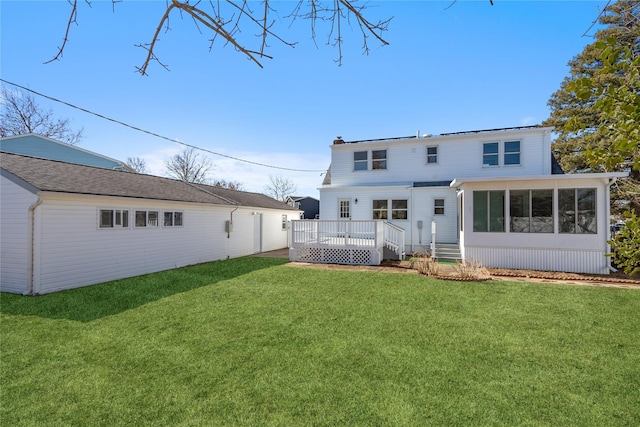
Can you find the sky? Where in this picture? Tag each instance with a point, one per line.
(448, 67)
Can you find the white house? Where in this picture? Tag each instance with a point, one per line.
(497, 196)
(66, 225)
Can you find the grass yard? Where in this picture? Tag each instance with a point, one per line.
(253, 342)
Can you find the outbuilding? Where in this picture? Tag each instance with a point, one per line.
(66, 225)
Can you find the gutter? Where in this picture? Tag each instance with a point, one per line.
(31, 246)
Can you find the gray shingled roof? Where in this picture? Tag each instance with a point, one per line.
(60, 177)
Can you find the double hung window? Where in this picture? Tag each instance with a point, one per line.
(379, 159)
(380, 209)
(399, 209)
(360, 161)
(438, 206)
(490, 154)
(512, 153)
(432, 155)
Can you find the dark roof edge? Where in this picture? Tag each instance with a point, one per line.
(467, 132)
(19, 181)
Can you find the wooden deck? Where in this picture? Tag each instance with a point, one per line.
(343, 242)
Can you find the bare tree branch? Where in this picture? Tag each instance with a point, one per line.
(20, 114)
(188, 166)
(72, 19)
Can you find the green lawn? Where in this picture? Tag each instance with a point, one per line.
(252, 342)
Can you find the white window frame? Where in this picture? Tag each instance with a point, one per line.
(174, 215)
(502, 153)
(383, 211)
(379, 163)
(434, 156)
(147, 218)
(511, 153)
(364, 161)
(395, 210)
(121, 214)
(437, 206)
(344, 208)
(496, 154)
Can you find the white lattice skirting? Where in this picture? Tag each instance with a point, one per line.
(336, 256)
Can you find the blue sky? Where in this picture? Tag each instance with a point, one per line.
(446, 69)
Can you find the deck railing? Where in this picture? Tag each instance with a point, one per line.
(344, 242)
(306, 233)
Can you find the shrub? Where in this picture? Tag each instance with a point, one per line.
(471, 269)
(626, 245)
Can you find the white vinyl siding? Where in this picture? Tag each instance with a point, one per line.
(14, 236)
(458, 156)
(72, 251)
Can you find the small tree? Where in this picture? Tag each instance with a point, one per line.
(21, 114)
(280, 187)
(189, 166)
(137, 164)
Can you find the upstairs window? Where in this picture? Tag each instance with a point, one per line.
(380, 209)
(490, 154)
(360, 161)
(111, 218)
(379, 159)
(432, 155)
(512, 153)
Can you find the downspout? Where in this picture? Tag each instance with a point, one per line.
(608, 224)
(31, 246)
(231, 221)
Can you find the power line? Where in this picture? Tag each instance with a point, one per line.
(157, 135)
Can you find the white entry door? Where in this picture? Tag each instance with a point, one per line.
(257, 233)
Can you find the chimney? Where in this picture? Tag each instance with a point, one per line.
(338, 140)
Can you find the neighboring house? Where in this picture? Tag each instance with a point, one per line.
(65, 225)
(45, 148)
(494, 195)
(309, 206)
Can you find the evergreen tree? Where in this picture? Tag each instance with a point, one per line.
(578, 119)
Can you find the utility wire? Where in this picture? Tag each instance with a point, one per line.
(157, 135)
